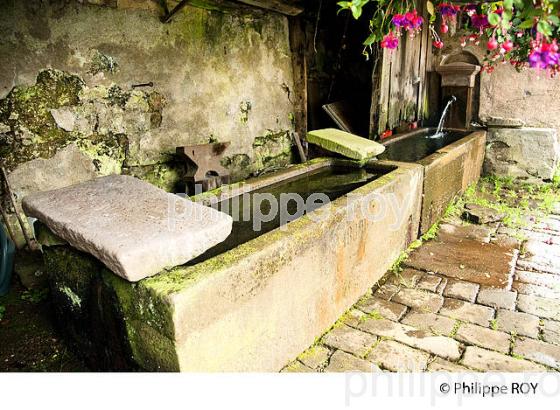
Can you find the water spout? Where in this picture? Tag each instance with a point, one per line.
(439, 131)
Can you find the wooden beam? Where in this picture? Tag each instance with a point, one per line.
(290, 8)
(299, 70)
(224, 6)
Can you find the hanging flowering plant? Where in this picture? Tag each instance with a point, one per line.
(523, 32)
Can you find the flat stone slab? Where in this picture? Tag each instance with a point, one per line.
(479, 214)
(538, 351)
(344, 143)
(134, 228)
(342, 362)
(466, 259)
(483, 337)
(467, 312)
(411, 336)
(519, 323)
(460, 289)
(489, 361)
(397, 357)
(350, 340)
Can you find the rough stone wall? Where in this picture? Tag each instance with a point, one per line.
(528, 95)
(69, 111)
(216, 76)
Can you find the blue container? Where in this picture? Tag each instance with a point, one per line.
(7, 250)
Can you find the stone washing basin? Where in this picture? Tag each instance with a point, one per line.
(255, 305)
(450, 164)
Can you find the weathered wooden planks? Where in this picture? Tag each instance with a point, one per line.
(399, 89)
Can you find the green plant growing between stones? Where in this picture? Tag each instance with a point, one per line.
(456, 327)
(494, 324)
(373, 315)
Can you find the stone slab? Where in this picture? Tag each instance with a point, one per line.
(441, 365)
(134, 228)
(389, 310)
(539, 306)
(344, 143)
(469, 231)
(479, 214)
(342, 362)
(551, 331)
(467, 312)
(526, 153)
(349, 340)
(489, 361)
(315, 357)
(519, 323)
(537, 278)
(429, 283)
(460, 289)
(483, 337)
(538, 351)
(439, 345)
(397, 357)
(436, 324)
(497, 298)
(466, 259)
(536, 290)
(419, 299)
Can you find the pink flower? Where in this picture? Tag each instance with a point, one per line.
(410, 21)
(390, 41)
(480, 21)
(438, 44)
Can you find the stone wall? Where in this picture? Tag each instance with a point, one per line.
(528, 95)
(216, 76)
(69, 111)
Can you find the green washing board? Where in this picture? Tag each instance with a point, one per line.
(344, 143)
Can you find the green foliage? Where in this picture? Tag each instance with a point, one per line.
(35, 295)
(2, 312)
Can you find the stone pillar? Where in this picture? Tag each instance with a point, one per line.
(529, 154)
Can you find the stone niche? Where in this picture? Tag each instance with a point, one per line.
(459, 77)
(459, 80)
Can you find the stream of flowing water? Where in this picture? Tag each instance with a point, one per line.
(439, 131)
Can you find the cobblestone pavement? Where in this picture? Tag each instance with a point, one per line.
(475, 298)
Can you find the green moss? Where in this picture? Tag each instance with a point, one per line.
(28, 108)
(272, 151)
(167, 176)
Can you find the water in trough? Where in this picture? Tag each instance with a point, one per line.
(334, 182)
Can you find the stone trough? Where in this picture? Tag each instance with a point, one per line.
(258, 301)
(451, 163)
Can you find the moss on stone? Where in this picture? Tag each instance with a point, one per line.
(271, 151)
(28, 109)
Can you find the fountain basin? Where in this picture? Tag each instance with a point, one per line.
(451, 163)
(255, 306)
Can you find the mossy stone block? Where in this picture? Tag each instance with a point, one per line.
(344, 143)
